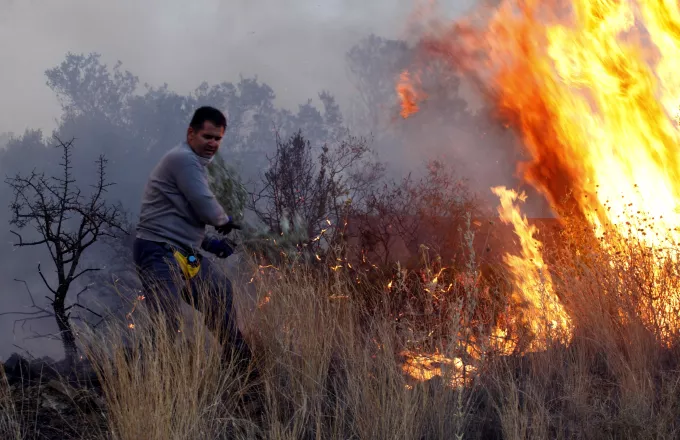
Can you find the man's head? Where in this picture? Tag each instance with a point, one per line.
(206, 130)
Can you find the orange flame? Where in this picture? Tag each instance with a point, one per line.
(591, 87)
(408, 94)
(594, 105)
(532, 283)
(423, 367)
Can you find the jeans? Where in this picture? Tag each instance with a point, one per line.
(209, 292)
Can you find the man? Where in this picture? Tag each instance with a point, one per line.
(177, 205)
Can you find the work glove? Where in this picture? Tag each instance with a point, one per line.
(227, 227)
(220, 248)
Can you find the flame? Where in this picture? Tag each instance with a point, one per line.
(594, 100)
(591, 87)
(595, 106)
(533, 284)
(409, 94)
(426, 366)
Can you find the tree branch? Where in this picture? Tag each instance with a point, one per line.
(32, 243)
(45, 280)
(84, 271)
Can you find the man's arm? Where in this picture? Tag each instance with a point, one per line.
(193, 183)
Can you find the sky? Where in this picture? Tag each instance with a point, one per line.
(296, 46)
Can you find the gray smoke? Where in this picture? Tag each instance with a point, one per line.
(298, 48)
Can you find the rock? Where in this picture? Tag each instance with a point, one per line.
(62, 388)
(15, 366)
(53, 402)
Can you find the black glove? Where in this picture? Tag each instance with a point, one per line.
(220, 248)
(227, 227)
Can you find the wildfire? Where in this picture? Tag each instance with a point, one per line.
(592, 89)
(594, 97)
(422, 367)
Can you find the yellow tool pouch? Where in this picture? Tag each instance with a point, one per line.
(190, 265)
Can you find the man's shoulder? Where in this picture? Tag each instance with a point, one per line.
(180, 155)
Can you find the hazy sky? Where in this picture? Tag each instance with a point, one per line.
(296, 46)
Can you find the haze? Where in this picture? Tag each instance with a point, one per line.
(296, 46)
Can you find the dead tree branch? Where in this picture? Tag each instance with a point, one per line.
(67, 222)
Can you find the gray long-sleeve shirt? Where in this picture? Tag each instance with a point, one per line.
(178, 203)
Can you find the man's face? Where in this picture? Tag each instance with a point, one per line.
(206, 141)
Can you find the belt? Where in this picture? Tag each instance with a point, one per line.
(189, 260)
(173, 248)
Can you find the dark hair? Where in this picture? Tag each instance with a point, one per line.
(206, 113)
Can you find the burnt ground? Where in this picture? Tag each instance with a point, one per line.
(54, 402)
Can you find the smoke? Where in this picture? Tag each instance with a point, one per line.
(296, 47)
(456, 123)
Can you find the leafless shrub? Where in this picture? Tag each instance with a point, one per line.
(306, 196)
(67, 222)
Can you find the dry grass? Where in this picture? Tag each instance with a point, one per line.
(328, 356)
(619, 376)
(330, 373)
(10, 426)
(322, 374)
(159, 384)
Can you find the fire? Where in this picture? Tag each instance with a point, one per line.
(592, 89)
(595, 106)
(422, 367)
(533, 284)
(409, 94)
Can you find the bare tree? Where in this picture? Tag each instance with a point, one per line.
(311, 194)
(67, 223)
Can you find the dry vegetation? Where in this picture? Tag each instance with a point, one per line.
(329, 343)
(9, 422)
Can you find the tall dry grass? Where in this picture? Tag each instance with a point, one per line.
(619, 375)
(331, 371)
(10, 426)
(161, 383)
(328, 356)
(326, 370)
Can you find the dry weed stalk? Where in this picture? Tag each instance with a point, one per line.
(10, 427)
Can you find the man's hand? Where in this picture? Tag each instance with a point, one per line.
(227, 227)
(220, 248)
